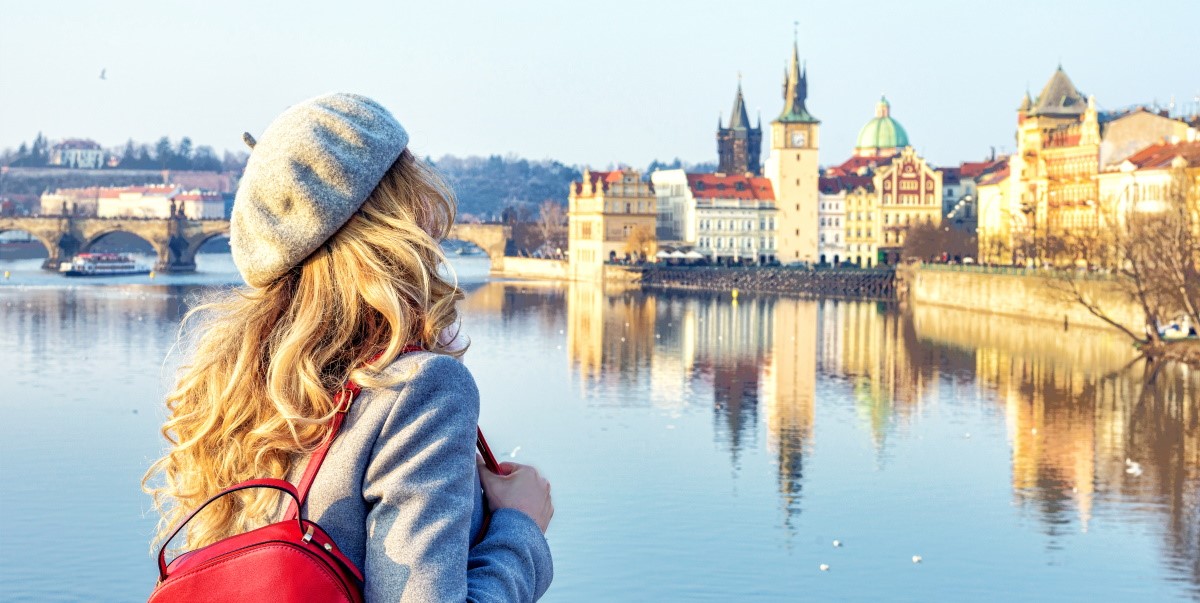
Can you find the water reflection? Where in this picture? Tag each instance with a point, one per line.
(1072, 405)
(813, 410)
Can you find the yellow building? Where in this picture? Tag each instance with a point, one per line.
(862, 223)
(1147, 181)
(910, 193)
(997, 215)
(611, 217)
(793, 171)
(1063, 142)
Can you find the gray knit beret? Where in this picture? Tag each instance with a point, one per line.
(308, 173)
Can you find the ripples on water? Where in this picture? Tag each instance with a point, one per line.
(700, 449)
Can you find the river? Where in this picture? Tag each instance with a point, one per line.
(701, 448)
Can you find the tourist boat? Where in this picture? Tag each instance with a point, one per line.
(102, 264)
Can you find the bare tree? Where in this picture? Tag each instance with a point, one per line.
(1151, 244)
(926, 241)
(552, 224)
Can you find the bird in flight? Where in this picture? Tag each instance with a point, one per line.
(102, 71)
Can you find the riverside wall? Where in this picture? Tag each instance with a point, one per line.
(534, 268)
(876, 284)
(1025, 294)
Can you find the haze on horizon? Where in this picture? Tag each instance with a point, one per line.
(622, 83)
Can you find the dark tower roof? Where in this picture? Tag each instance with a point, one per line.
(738, 118)
(1060, 97)
(795, 92)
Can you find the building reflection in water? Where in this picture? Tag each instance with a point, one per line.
(1073, 407)
(1084, 428)
(753, 359)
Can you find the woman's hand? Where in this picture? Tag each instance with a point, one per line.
(520, 487)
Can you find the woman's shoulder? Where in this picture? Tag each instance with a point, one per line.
(420, 381)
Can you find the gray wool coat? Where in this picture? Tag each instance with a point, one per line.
(399, 493)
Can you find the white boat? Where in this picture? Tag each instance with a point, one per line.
(102, 264)
(1180, 328)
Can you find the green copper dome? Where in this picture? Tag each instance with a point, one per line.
(883, 132)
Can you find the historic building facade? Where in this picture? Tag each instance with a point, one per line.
(831, 217)
(1064, 142)
(1151, 179)
(995, 225)
(730, 219)
(888, 188)
(792, 169)
(739, 146)
(143, 202)
(735, 218)
(910, 193)
(611, 216)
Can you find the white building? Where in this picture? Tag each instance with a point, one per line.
(141, 202)
(730, 219)
(735, 218)
(676, 224)
(831, 217)
(76, 153)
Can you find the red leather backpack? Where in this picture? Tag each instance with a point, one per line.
(292, 560)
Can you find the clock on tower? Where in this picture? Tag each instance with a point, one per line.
(799, 138)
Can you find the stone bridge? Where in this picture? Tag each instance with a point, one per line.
(175, 240)
(492, 238)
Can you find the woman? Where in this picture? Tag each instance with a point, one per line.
(335, 227)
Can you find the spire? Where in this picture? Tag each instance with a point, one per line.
(795, 91)
(1060, 97)
(738, 118)
(1026, 102)
(883, 108)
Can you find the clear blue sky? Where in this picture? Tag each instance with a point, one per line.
(586, 83)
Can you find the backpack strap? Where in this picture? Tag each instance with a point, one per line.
(344, 398)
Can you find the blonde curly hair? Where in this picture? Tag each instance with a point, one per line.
(259, 389)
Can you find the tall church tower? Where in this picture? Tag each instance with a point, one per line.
(739, 146)
(792, 169)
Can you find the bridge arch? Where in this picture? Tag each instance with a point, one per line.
(491, 238)
(96, 236)
(196, 242)
(47, 243)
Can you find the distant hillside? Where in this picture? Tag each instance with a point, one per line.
(486, 185)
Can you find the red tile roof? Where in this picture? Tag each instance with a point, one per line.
(856, 163)
(613, 176)
(1162, 154)
(996, 175)
(975, 169)
(114, 192)
(714, 186)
